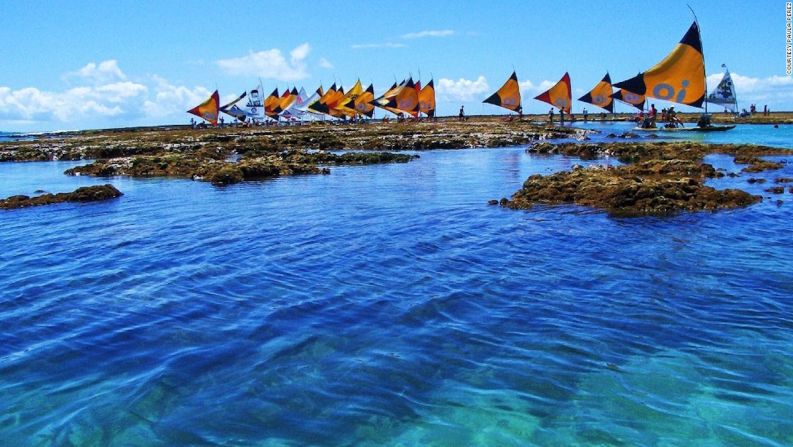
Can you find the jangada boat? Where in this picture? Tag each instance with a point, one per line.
(710, 128)
(678, 78)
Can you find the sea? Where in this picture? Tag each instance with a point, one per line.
(390, 305)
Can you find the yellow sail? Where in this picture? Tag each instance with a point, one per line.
(560, 95)
(427, 99)
(600, 95)
(679, 77)
(508, 96)
(208, 109)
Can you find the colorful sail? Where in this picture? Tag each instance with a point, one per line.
(630, 98)
(427, 99)
(271, 108)
(406, 99)
(724, 95)
(287, 99)
(209, 109)
(679, 77)
(600, 95)
(327, 102)
(560, 95)
(364, 102)
(508, 96)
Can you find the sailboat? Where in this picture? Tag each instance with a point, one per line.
(209, 109)
(560, 95)
(724, 95)
(600, 95)
(427, 99)
(678, 78)
(508, 96)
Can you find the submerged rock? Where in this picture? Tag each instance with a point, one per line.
(783, 180)
(754, 180)
(776, 190)
(84, 194)
(756, 164)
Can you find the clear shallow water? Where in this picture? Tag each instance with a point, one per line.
(389, 305)
(766, 134)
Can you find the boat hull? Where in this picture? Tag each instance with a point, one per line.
(685, 129)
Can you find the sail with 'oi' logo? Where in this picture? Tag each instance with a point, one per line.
(679, 77)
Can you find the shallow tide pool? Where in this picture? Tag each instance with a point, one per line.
(390, 305)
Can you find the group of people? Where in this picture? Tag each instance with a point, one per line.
(668, 117)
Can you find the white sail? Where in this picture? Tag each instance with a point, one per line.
(254, 108)
(297, 109)
(724, 94)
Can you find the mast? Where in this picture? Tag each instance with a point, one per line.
(704, 64)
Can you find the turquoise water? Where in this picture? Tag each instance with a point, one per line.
(389, 305)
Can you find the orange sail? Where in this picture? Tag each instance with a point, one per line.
(508, 96)
(287, 99)
(386, 97)
(271, 108)
(427, 99)
(679, 77)
(364, 102)
(629, 98)
(208, 109)
(406, 100)
(560, 95)
(600, 95)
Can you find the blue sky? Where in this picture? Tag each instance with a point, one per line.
(78, 64)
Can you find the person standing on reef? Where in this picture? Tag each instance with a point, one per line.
(462, 113)
(561, 117)
(586, 114)
(520, 112)
(550, 116)
(192, 123)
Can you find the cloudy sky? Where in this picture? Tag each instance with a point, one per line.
(80, 64)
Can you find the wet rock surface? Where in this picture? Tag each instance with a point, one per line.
(84, 194)
(663, 179)
(392, 136)
(222, 172)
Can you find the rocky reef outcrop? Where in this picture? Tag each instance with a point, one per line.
(661, 179)
(84, 194)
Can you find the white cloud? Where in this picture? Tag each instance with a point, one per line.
(529, 88)
(429, 33)
(773, 90)
(101, 73)
(462, 89)
(269, 64)
(169, 99)
(105, 96)
(324, 63)
(360, 46)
